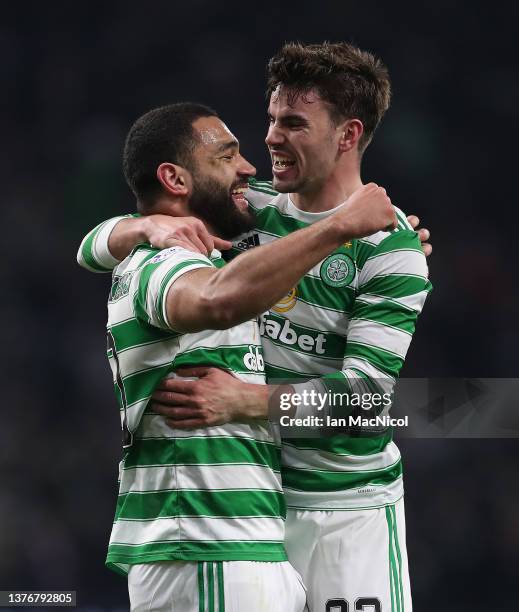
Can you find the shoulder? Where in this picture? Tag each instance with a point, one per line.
(395, 252)
(261, 194)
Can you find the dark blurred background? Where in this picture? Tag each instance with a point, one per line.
(74, 76)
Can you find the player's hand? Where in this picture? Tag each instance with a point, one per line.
(367, 211)
(163, 231)
(423, 233)
(211, 400)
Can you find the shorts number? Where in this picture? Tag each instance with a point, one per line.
(337, 605)
(341, 605)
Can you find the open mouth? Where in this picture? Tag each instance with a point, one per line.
(238, 196)
(281, 162)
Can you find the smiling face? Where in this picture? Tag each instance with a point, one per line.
(220, 178)
(302, 139)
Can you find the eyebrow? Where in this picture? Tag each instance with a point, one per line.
(290, 118)
(225, 146)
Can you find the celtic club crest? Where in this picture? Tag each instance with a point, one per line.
(337, 270)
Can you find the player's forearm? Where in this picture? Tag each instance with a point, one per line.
(256, 280)
(252, 402)
(126, 235)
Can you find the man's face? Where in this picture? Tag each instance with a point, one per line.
(302, 140)
(220, 179)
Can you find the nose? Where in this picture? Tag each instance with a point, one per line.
(274, 136)
(245, 168)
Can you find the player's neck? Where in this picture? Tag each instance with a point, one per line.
(334, 192)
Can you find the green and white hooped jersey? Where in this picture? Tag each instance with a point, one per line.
(350, 318)
(201, 495)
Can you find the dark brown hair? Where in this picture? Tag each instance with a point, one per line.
(354, 82)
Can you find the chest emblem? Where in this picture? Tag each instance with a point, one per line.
(337, 270)
(287, 303)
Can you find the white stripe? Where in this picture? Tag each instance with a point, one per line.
(213, 477)
(314, 459)
(259, 199)
(379, 336)
(100, 249)
(394, 262)
(380, 377)
(309, 315)
(347, 499)
(168, 529)
(283, 357)
(154, 290)
(155, 426)
(144, 357)
(414, 301)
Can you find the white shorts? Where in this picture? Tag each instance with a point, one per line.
(216, 586)
(351, 561)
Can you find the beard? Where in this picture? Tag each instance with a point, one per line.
(212, 203)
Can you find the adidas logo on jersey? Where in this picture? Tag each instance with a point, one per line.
(249, 242)
(288, 335)
(253, 360)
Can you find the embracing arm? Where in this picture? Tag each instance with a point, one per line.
(393, 287)
(111, 241)
(220, 298)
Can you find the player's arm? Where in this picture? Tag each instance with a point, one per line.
(250, 284)
(393, 286)
(111, 241)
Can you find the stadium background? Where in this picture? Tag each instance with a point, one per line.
(74, 76)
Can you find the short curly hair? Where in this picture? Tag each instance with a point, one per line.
(354, 82)
(163, 134)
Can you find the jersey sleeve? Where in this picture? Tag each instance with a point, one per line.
(392, 287)
(155, 279)
(93, 253)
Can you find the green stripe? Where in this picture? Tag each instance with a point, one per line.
(87, 251)
(201, 593)
(221, 591)
(197, 550)
(140, 299)
(191, 503)
(321, 480)
(385, 313)
(265, 190)
(230, 357)
(271, 220)
(344, 445)
(266, 183)
(140, 385)
(396, 285)
(315, 291)
(390, 559)
(210, 586)
(133, 333)
(389, 363)
(277, 375)
(399, 556)
(210, 450)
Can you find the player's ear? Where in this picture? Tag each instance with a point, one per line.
(173, 178)
(350, 132)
